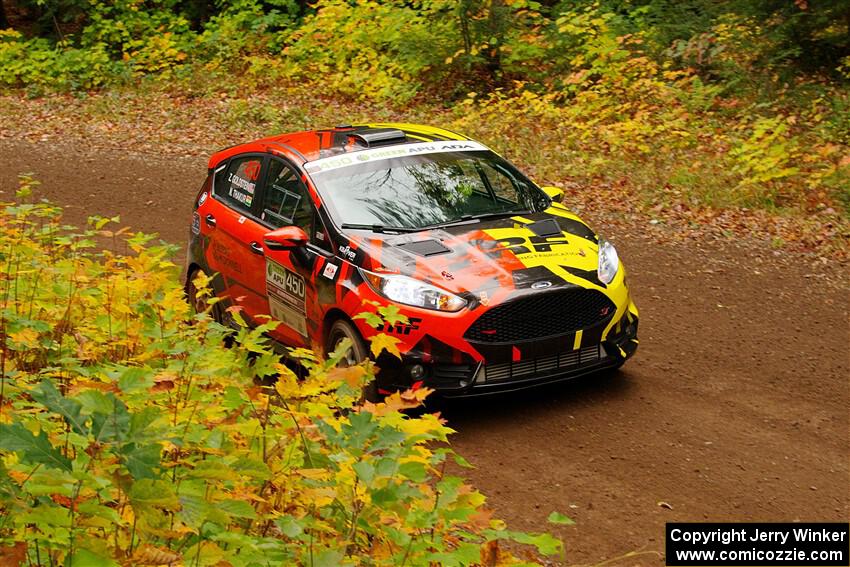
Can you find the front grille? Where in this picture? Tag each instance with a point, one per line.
(542, 315)
(541, 365)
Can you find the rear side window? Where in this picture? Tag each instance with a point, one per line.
(236, 183)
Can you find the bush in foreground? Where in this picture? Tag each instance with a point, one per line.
(129, 436)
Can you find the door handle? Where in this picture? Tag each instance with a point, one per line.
(256, 248)
(210, 220)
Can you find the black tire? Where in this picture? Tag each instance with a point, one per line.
(342, 329)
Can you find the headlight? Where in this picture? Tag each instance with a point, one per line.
(409, 291)
(609, 262)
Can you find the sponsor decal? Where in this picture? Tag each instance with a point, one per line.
(203, 198)
(484, 298)
(241, 219)
(287, 292)
(400, 328)
(330, 271)
(539, 246)
(447, 275)
(196, 222)
(252, 170)
(242, 182)
(541, 285)
(241, 189)
(222, 257)
(347, 252)
(402, 150)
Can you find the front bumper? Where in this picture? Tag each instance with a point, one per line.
(452, 378)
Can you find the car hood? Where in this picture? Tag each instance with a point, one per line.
(490, 258)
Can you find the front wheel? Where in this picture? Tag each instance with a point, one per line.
(356, 353)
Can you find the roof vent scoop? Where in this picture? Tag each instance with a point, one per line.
(378, 137)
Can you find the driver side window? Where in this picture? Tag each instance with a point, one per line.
(286, 201)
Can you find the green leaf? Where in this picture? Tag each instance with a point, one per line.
(365, 471)
(92, 508)
(47, 395)
(252, 468)
(141, 461)
(461, 462)
(413, 471)
(86, 558)
(46, 482)
(147, 493)
(213, 470)
(112, 427)
(237, 508)
(33, 449)
(193, 510)
(386, 496)
(93, 401)
(558, 518)
(371, 319)
(391, 315)
(134, 378)
(328, 558)
(140, 423)
(290, 526)
(545, 543)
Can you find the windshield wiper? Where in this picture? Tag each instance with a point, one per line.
(465, 219)
(462, 220)
(379, 227)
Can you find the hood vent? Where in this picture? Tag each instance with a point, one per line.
(546, 227)
(425, 248)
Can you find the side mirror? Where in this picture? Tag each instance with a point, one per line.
(285, 238)
(555, 193)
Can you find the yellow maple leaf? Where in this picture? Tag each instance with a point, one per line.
(385, 342)
(352, 375)
(149, 555)
(25, 337)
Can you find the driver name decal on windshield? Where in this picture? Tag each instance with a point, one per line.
(286, 291)
(403, 150)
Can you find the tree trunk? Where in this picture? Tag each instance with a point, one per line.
(4, 21)
(496, 30)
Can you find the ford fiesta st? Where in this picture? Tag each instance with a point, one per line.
(502, 286)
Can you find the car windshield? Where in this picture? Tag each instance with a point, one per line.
(419, 191)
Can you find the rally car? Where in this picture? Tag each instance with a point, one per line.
(501, 285)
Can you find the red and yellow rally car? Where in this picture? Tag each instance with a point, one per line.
(502, 286)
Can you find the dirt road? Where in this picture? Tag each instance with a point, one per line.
(735, 407)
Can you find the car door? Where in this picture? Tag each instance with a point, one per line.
(290, 275)
(234, 237)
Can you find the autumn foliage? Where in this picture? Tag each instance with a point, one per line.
(130, 435)
(678, 109)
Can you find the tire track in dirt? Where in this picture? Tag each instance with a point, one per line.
(735, 407)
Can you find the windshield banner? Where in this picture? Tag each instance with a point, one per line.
(390, 152)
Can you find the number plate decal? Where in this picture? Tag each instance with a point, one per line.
(286, 290)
